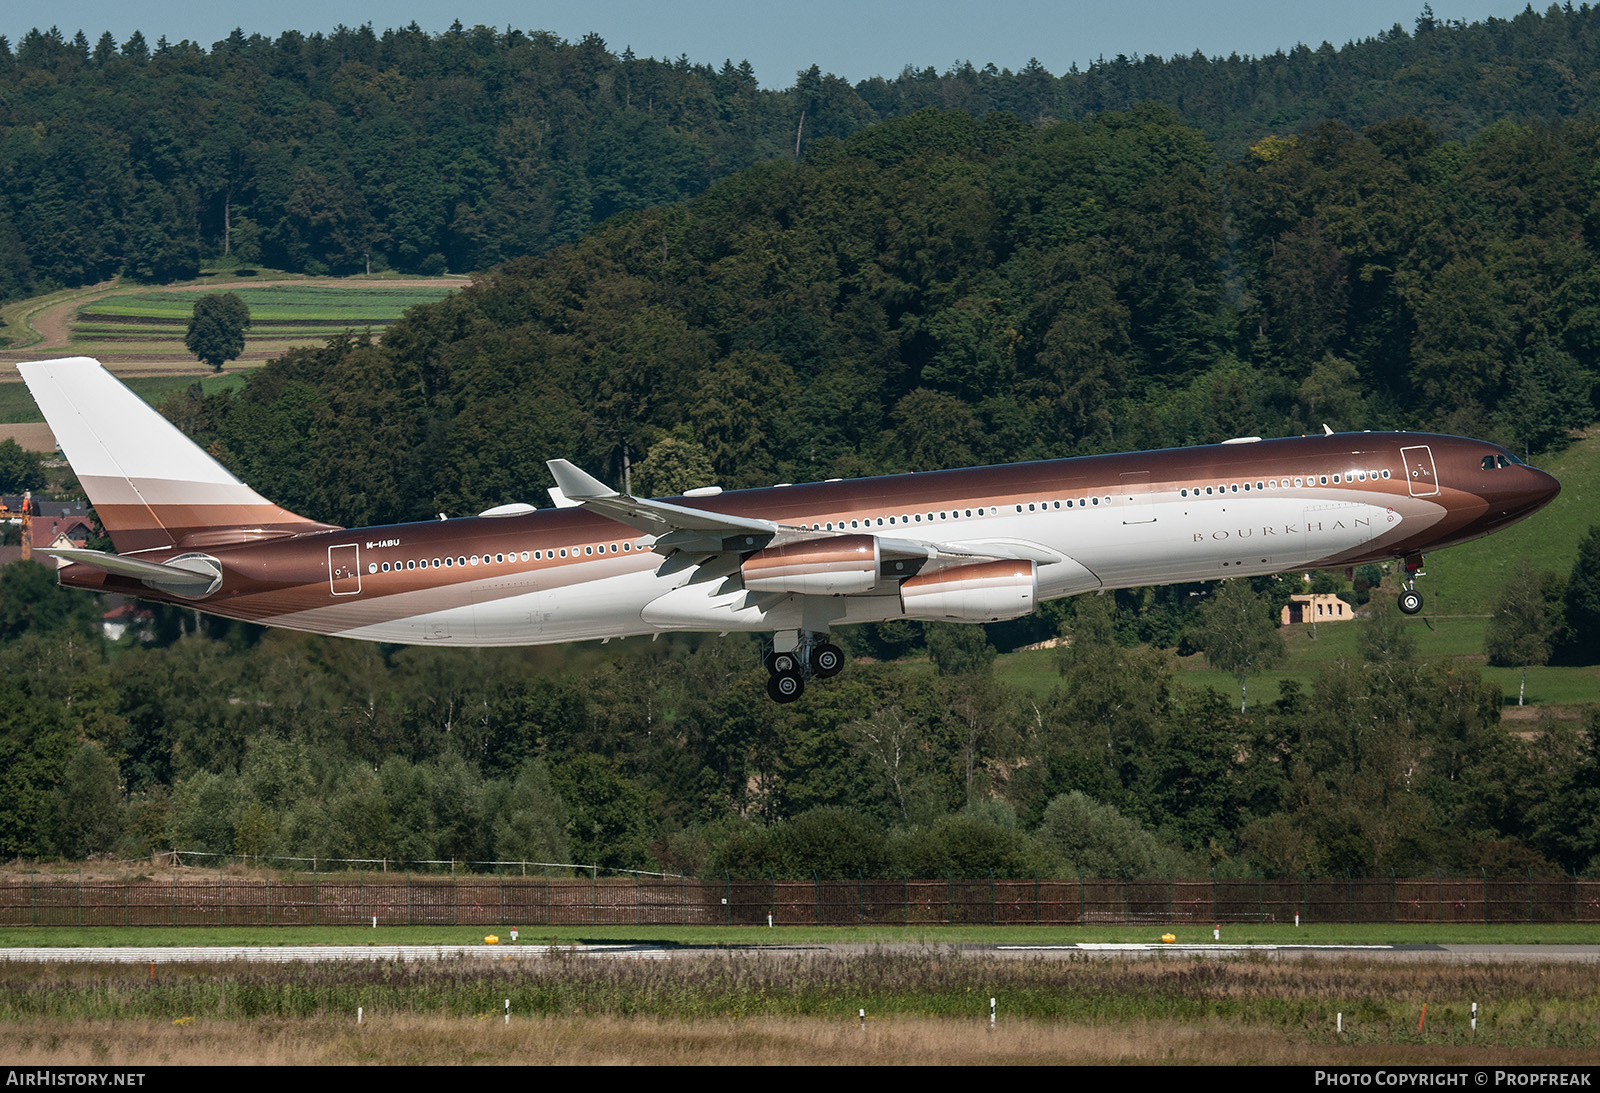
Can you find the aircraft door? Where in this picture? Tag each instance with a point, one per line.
(1137, 505)
(344, 569)
(1421, 478)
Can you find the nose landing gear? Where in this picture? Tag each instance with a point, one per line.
(1410, 598)
(809, 656)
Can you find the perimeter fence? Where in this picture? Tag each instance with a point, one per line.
(218, 899)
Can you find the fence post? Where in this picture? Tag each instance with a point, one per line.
(1214, 917)
(174, 891)
(772, 893)
(727, 901)
(1484, 873)
(1530, 894)
(222, 898)
(1261, 897)
(125, 895)
(905, 896)
(1124, 897)
(1170, 917)
(1349, 896)
(638, 899)
(1036, 897)
(861, 896)
(1080, 896)
(408, 895)
(816, 899)
(594, 902)
(80, 897)
(991, 896)
(949, 898)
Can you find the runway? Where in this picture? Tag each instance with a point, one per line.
(288, 954)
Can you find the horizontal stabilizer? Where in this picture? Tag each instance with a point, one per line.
(191, 575)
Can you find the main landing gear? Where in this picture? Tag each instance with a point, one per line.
(809, 656)
(1410, 598)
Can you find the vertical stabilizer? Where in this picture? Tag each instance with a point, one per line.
(151, 486)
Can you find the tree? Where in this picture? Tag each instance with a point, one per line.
(19, 470)
(216, 330)
(1581, 631)
(1238, 634)
(1520, 628)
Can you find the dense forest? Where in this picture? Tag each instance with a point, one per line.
(930, 271)
(356, 150)
(941, 290)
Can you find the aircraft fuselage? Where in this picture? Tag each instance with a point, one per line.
(1098, 522)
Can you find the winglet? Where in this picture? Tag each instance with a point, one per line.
(578, 485)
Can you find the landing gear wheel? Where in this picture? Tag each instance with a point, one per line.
(785, 686)
(778, 663)
(1410, 601)
(827, 661)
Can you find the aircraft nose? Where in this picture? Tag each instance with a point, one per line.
(1534, 491)
(1542, 490)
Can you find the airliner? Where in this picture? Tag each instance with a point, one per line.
(974, 545)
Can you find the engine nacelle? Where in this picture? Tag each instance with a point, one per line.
(980, 592)
(841, 566)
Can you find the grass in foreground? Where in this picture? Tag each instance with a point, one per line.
(924, 1006)
(485, 1041)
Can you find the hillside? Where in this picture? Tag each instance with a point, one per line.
(357, 150)
(1465, 580)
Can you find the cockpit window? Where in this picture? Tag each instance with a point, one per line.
(1488, 462)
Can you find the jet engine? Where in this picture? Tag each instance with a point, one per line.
(844, 565)
(979, 592)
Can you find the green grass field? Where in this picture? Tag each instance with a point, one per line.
(150, 321)
(140, 327)
(285, 304)
(16, 405)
